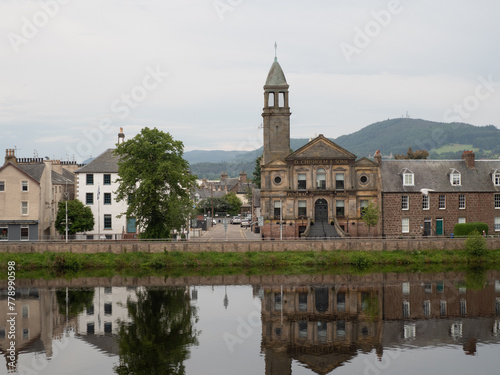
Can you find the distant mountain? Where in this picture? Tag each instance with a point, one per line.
(442, 140)
(394, 136)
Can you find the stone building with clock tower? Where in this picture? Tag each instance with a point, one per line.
(319, 190)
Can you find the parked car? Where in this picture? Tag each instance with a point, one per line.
(245, 223)
(236, 220)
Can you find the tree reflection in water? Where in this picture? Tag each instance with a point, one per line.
(161, 330)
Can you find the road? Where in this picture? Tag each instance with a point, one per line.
(234, 233)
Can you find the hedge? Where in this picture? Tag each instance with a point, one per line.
(467, 228)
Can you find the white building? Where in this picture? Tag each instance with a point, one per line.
(108, 309)
(96, 186)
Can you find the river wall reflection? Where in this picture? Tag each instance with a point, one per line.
(321, 321)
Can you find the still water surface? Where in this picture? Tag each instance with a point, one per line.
(446, 323)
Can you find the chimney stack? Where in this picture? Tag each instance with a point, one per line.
(10, 155)
(224, 176)
(121, 136)
(469, 157)
(243, 177)
(378, 157)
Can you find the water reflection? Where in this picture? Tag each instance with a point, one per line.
(157, 339)
(321, 322)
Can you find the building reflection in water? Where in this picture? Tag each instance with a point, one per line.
(322, 322)
(323, 326)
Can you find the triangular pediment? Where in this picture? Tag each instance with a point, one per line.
(365, 162)
(321, 147)
(275, 163)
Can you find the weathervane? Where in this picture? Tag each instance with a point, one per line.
(275, 51)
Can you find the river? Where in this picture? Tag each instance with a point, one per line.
(390, 323)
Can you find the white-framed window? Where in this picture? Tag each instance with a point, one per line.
(408, 179)
(461, 201)
(497, 200)
(455, 178)
(277, 209)
(24, 185)
(107, 222)
(497, 224)
(24, 208)
(410, 331)
(495, 176)
(89, 179)
(302, 182)
(339, 181)
(463, 307)
(427, 308)
(461, 220)
(89, 198)
(406, 288)
(321, 179)
(442, 307)
(425, 202)
(405, 224)
(302, 208)
(106, 179)
(442, 201)
(406, 309)
(2, 186)
(25, 232)
(405, 202)
(340, 208)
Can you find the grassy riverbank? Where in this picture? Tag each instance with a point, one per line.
(231, 263)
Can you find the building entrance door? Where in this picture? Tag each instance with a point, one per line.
(321, 211)
(439, 227)
(427, 227)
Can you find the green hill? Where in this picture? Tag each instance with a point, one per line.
(394, 136)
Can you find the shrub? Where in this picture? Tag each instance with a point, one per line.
(475, 245)
(361, 260)
(467, 228)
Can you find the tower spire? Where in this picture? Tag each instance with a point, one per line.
(275, 51)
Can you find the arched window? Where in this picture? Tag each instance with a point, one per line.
(321, 179)
(270, 99)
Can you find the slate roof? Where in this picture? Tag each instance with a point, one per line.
(59, 179)
(106, 162)
(435, 174)
(35, 171)
(276, 77)
(206, 193)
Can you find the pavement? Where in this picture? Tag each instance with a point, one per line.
(234, 233)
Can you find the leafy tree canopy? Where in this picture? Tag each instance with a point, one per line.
(155, 180)
(410, 154)
(80, 217)
(371, 215)
(229, 203)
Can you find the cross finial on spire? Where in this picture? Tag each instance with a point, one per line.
(275, 51)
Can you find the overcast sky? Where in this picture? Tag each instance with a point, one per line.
(74, 71)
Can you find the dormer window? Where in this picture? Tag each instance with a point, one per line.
(455, 179)
(408, 178)
(495, 177)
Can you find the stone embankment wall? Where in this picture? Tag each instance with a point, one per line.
(118, 247)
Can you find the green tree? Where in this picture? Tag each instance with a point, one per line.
(410, 154)
(233, 202)
(256, 172)
(80, 217)
(371, 215)
(157, 339)
(78, 300)
(155, 180)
